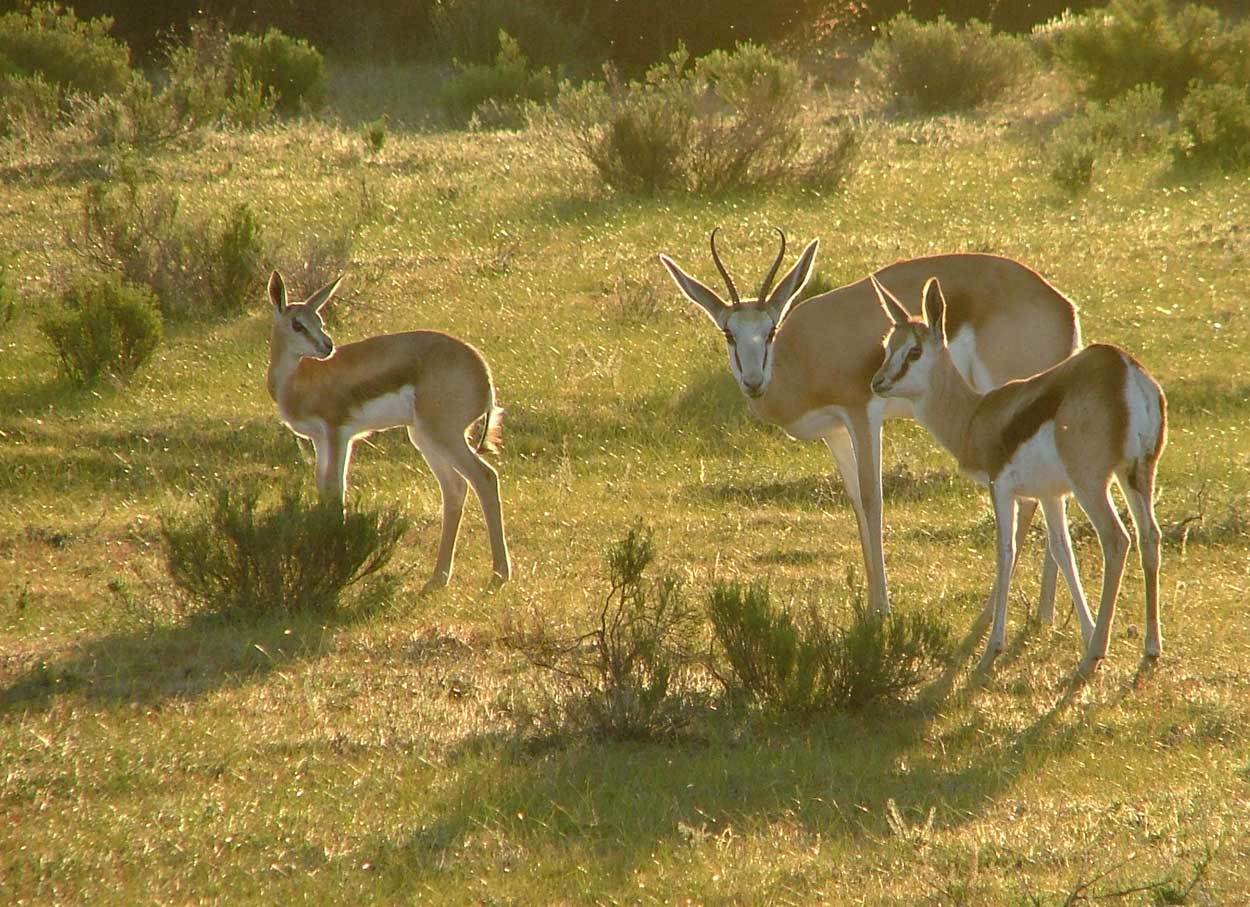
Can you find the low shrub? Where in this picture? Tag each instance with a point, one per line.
(469, 31)
(29, 106)
(1133, 42)
(289, 69)
(202, 89)
(102, 326)
(623, 672)
(1133, 123)
(1214, 127)
(802, 662)
(8, 295)
(192, 268)
(732, 119)
(238, 557)
(76, 55)
(508, 81)
(938, 66)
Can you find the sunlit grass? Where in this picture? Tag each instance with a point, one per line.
(151, 754)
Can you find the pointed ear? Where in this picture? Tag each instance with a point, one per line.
(277, 293)
(319, 299)
(697, 292)
(934, 308)
(889, 302)
(782, 298)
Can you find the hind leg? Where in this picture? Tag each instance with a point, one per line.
(485, 481)
(1138, 485)
(453, 489)
(1061, 549)
(1114, 539)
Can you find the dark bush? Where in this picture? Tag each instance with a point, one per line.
(469, 31)
(733, 119)
(508, 81)
(289, 69)
(1214, 125)
(1135, 42)
(625, 671)
(74, 54)
(29, 105)
(939, 66)
(804, 662)
(238, 557)
(236, 262)
(102, 327)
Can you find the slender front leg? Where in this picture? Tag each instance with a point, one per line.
(1005, 535)
(333, 454)
(1061, 548)
(862, 481)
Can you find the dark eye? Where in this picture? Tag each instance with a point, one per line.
(299, 328)
(729, 337)
(914, 353)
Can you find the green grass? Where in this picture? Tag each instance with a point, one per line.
(150, 754)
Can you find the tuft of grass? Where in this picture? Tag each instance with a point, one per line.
(239, 557)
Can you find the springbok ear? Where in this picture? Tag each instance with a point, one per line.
(934, 308)
(898, 314)
(781, 300)
(697, 292)
(277, 293)
(319, 299)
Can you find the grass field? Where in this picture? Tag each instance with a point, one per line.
(149, 754)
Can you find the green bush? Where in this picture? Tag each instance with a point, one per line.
(238, 557)
(509, 80)
(802, 663)
(74, 54)
(624, 671)
(1214, 125)
(289, 69)
(29, 105)
(733, 119)
(236, 263)
(938, 66)
(1135, 42)
(469, 31)
(103, 327)
(1133, 123)
(203, 91)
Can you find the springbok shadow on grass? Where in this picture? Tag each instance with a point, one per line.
(200, 654)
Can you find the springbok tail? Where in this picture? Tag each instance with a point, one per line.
(492, 430)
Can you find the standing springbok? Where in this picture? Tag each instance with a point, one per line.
(432, 384)
(807, 368)
(1071, 429)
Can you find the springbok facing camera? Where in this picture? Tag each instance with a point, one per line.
(1071, 429)
(432, 384)
(807, 368)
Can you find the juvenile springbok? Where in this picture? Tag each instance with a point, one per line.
(431, 383)
(1071, 429)
(807, 368)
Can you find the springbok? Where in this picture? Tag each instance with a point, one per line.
(1071, 429)
(431, 383)
(807, 368)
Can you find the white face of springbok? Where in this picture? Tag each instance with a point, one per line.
(749, 325)
(913, 345)
(298, 327)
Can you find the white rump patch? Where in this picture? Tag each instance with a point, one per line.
(963, 347)
(1144, 415)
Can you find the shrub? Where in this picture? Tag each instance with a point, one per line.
(1134, 42)
(238, 557)
(236, 262)
(1072, 161)
(74, 54)
(730, 120)
(289, 69)
(624, 669)
(509, 80)
(203, 91)
(1214, 125)
(1130, 124)
(8, 296)
(103, 327)
(29, 105)
(470, 31)
(803, 663)
(939, 66)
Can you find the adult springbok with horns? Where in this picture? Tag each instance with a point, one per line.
(1073, 428)
(808, 368)
(432, 384)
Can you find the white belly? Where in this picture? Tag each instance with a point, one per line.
(1035, 470)
(387, 411)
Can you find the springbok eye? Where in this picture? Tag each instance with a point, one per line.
(299, 327)
(729, 338)
(914, 353)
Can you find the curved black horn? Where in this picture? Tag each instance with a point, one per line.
(776, 264)
(729, 281)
